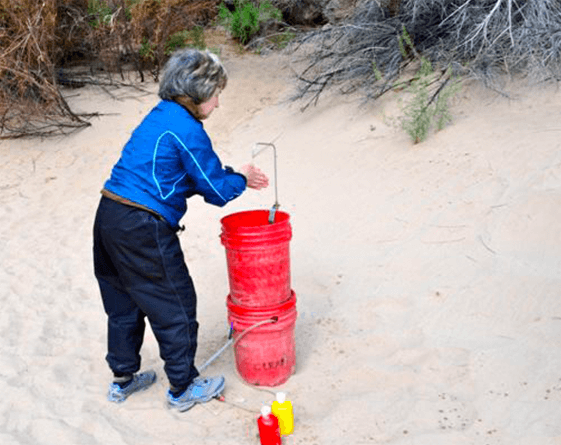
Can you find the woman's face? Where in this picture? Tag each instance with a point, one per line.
(206, 108)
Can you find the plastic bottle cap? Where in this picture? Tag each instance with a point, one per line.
(265, 410)
(281, 397)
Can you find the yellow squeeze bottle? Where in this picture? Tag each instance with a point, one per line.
(282, 409)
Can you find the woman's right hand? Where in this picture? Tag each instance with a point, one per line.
(256, 179)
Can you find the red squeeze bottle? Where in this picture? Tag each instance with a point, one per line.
(268, 424)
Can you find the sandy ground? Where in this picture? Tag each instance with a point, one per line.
(428, 276)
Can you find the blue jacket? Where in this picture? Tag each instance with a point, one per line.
(168, 159)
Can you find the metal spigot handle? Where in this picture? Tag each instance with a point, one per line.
(257, 149)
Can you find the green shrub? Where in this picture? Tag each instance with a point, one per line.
(147, 50)
(418, 114)
(176, 41)
(442, 113)
(245, 21)
(100, 12)
(197, 37)
(426, 108)
(194, 38)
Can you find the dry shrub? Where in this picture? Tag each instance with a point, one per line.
(488, 40)
(52, 43)
(154, 21)
(110, 44)
(73, 32)
(138, 32)
(30, 102)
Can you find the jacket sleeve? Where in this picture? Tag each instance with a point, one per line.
(215, 183)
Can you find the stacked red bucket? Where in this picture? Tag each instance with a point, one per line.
(261, 304)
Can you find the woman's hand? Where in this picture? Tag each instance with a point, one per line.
(256, 179)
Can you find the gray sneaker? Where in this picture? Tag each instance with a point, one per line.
(201, 390)
(140, 382)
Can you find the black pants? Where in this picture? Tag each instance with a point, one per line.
(141, 273)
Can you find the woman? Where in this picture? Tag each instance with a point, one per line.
(138, 259)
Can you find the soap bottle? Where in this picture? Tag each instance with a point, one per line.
(268, 425)
(282, 408)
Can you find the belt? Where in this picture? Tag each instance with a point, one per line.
(130, 203)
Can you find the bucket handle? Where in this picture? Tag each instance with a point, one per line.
(273, 319)
(231, 340)
(257, 150)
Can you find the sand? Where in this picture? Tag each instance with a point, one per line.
(427, 276)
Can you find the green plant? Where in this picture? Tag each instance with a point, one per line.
(405, 43)
(377, 73)
(129, 4)
(447, 91)
(418, 114)
(176, 41)
(426, 108)
(283, 39)
(194, 38)
(197, 37)
(245, 21)
(100, 11)
(147, 50)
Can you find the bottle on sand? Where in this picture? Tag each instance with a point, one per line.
(268, 424)
(282, 409)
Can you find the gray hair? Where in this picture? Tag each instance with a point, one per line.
(192, 73)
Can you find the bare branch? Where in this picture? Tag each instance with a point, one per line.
(483, 39)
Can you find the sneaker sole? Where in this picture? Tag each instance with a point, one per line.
(183, 408)
(186, 407)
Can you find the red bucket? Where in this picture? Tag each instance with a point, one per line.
(264, 341)
(258, 257)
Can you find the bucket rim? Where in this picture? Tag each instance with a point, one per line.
(281, 217)
(255, 243)
(258, 311)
